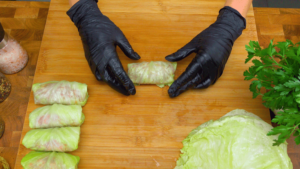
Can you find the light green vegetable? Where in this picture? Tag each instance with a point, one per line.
(49, 160)
(53, 139)
(238, 140)
(3, 163)
(56, 115)
(159, 73)
(60, 92)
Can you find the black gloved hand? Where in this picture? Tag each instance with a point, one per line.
(213, 47)
(100, 36)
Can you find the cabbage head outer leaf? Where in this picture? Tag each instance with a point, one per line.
(237, 140)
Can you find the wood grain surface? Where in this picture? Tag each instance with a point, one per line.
(25, 21)
(145, 130)
(142, 131)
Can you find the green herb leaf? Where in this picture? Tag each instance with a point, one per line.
(297, 133)
(250, 49)
(290, 42)
(277, 69)
(250, 56)
(281, 87)
(298, 52)
(297, 140)
(291, 111)
(255, 88)
(256, 45)
(284, 131)
(257, 62)
(284, 93)
(248, 75)
(292, 83)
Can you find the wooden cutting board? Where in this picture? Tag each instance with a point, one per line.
(145, 130)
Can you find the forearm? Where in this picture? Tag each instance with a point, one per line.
(240, 5)
(72, 2)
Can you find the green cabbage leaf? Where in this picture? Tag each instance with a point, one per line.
(60, 92)
(237, 140)
(49, 160)
(62, 139)
(56, 115)
(158, 72)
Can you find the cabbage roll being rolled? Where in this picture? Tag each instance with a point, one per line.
(53, 139)
(49, 160)
(56, 115)
(60, 92)
(159, 73)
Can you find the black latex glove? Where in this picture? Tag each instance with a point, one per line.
(100, 36)
(213, 47)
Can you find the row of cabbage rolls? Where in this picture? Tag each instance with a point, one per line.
(55, 128)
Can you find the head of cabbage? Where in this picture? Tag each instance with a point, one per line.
(237, 140)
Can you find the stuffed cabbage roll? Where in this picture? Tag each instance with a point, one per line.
(60, 92)
(56, 115)
(159, 73)
(49, 160)
(53, 139)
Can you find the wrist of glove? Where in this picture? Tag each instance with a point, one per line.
(213, 47)
(100, 36)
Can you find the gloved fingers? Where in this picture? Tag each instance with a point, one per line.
(117, 70)
(184, 87)
(209, 71)
(190, 73)
(98, 77)
(114, 83)
(127, 49)
(112, 72)
(182, 53)
(203, 84)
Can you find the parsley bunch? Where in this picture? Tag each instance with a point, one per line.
(277, 69)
